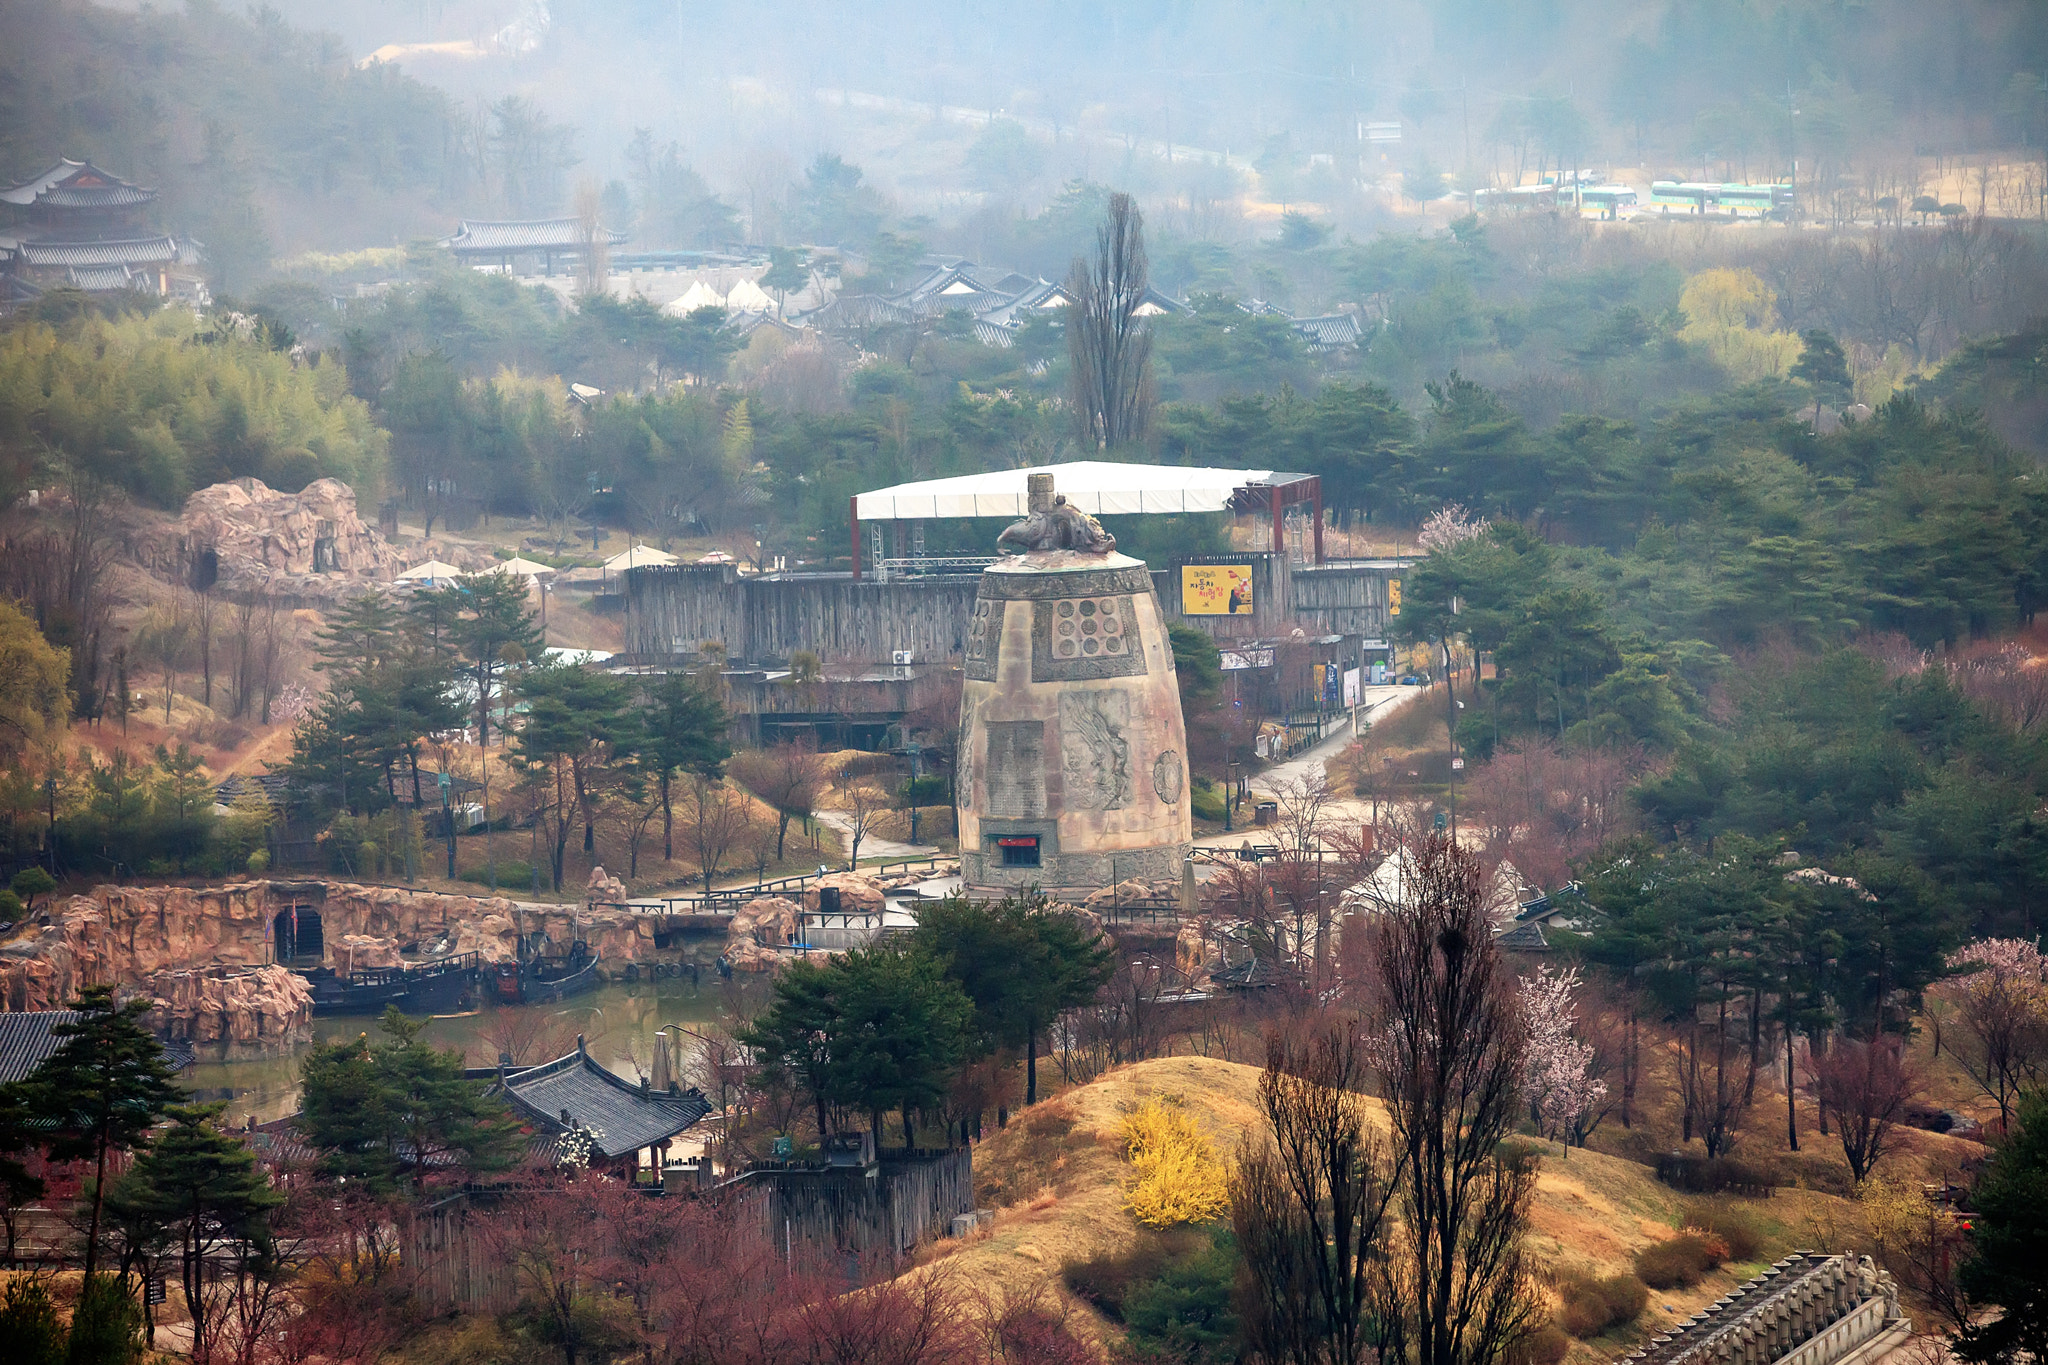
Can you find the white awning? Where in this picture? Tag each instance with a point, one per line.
(1094, 486)
(639, 557)
(432, 571)
(531, 568)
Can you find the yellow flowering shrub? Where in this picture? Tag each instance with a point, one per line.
(1178, 1177)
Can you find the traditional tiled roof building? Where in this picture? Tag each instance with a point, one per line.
(481, 241)
(78, 225)
(1808, 1309)
(574, 1095)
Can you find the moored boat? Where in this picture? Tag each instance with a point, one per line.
(435, 987)
(546, 980)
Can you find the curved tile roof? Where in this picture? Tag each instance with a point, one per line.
(575, 1092)
(523, 234)
(134, 251)
(76, 185)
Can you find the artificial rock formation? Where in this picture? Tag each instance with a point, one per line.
(261, 538)
(127, 935)
(858, 894)
(758, 929)
(247, 1010)
(309, 546)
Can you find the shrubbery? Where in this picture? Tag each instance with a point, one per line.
(1680, 1262)
(1737, 1228)
(1179, 1179)
(1590, 1306)
(511, 872)
(1713, 1175)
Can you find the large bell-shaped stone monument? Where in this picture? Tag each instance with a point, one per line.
(1073, 767)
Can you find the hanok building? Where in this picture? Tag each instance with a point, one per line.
(525, 241)
(999, 306)
(78, 225)
(574, 1099)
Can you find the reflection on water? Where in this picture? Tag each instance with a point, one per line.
(618, 1023)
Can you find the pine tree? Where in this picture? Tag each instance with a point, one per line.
(393, 1113)
(2010, 1269)
(199, 1189)
(105, 1087)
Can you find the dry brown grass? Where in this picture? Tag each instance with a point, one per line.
(1057, 1176)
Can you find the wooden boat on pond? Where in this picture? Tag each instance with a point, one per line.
(545, 980)
(437, 986)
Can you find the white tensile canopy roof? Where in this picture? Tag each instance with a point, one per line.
(532, 568)
(699, 295)
(1094, 486)
(748, 297)
(639, 557)
(431, 571)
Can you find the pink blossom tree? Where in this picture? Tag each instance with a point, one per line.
(1448, 526)
(1558, 1071)
(1999, 992)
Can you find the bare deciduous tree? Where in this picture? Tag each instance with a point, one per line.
(789, 777)
(526, 1037)
(866, 803)
(1447, 1025)
(1107, 339)
(205, 635)
(715, 823)
(1866, 1086)
(1310, 1204)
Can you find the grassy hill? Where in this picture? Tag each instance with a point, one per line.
(1057, 1174)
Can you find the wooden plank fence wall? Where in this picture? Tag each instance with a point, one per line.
(872, 1217)
(675, 610)
(451, 1272)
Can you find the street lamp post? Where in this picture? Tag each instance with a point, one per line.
(448, 818)
(916, 770)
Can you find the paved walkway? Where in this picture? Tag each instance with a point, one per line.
(872, 846)
(1375, 703)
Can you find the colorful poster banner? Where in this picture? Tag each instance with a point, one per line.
(1216, 589)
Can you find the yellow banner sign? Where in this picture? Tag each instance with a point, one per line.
(1393, 597)
(1216, 589)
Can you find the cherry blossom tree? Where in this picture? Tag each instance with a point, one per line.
(1558, 1068)
(1449, 525)
(1999, 992)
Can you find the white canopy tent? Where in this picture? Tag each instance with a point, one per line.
(1098, 487)
(432, 572)
(699, 295)
(639, 557)
(531, 568)
(747, 297)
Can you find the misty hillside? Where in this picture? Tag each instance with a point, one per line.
(966, 117)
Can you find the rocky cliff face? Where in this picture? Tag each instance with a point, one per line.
(198, 949)
(312, 545)
(246, 1010)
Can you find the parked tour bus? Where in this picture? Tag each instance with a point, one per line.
(1733, 201)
